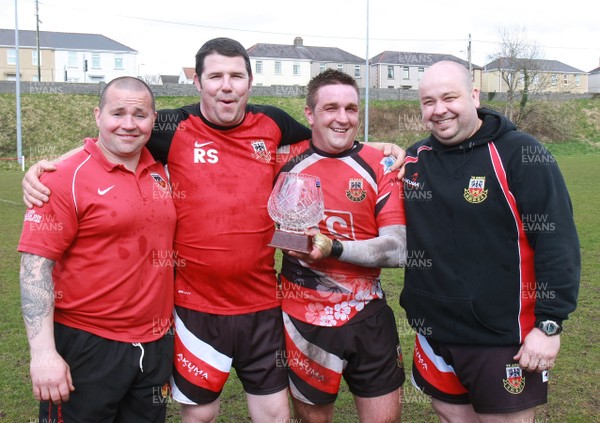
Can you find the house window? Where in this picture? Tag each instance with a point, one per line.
(118, 61)
(578, 80)
(522, 78)
(34, 58)
(357, 71)
(420, 72)
(11, 57)
(405, 72)
(565, 79)
(322, 67)
(340, 67)
(72, 59)
(296, 69)
(536, 79)
(390, 72)
(277, 68)
(258, 68)
(553, 79)
(96, 61)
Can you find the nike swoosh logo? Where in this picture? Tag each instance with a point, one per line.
(104, 191)
(202, 145)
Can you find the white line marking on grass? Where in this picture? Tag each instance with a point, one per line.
(10, 202)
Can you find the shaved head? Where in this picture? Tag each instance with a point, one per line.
(449, 102)
(126, 83)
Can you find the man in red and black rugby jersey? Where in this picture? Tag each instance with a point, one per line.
(220, 154)
(221, 160)
(337, 321)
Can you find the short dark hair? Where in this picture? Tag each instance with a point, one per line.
(327, 77)
(224, 47)
(126, 82)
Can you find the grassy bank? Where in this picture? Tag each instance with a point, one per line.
(54, 123)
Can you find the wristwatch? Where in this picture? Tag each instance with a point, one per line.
(549, 327)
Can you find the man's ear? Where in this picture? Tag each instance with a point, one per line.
(308, 114)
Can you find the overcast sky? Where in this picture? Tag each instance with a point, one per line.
(168, 33)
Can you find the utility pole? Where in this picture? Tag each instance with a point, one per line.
(469, 57)
(18, 91)
(37, 40)
(368, 82)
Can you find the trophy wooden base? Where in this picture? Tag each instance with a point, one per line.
(289, 241)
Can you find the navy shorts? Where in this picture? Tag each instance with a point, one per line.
(207, 346)
(485, 376)
(366, 354)
(114, 381)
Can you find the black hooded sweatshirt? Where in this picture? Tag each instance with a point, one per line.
(492, 245)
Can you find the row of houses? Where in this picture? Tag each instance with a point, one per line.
(93, 58)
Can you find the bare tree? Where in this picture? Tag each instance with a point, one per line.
(519, 63)
(150, 79)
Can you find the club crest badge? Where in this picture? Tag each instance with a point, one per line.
(476, 193)
(162, 184)
(355, 191)
(260, 151)
(515, 381)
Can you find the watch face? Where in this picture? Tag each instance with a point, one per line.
(549, 327)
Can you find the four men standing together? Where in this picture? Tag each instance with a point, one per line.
(485, 341)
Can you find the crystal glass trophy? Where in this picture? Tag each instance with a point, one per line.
(295, 204)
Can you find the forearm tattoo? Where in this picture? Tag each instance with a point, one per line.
(37, 291)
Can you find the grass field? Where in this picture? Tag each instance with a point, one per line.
(574, 389)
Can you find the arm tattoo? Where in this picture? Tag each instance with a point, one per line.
(37, 291)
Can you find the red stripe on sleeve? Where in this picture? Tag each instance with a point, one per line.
(527, 295)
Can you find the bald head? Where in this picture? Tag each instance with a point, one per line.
(446, 70)
(449, 102)
(127, 83)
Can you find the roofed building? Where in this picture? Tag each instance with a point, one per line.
(544, 75)
(594, 80)
(65, 57)
(403, 70)
(186, 76)
(296, 64)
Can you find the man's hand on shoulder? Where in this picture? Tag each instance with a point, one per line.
(391, 149)
(34, 192)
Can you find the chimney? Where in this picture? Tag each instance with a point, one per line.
(298, 42)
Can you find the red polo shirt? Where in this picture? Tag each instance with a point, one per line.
(110, 232)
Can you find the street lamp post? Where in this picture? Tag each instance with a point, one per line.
(368, 82)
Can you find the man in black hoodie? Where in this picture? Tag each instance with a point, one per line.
(493, 256)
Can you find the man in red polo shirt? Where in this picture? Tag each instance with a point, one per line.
(97, 272)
